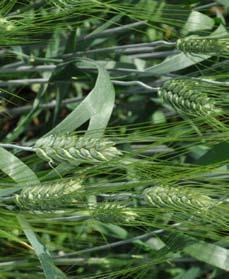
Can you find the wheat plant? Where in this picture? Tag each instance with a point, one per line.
(114, 139)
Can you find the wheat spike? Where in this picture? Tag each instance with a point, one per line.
(49, 196)
(72, 149)
(198, 45)
(178, 198)
(113, 213)
(188, 96)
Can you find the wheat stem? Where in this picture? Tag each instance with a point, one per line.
(27, 68)
(19, 110)
(135, 82)
(206, 6)
(126, 49)
(118, 243)
(112, 31)
(15, 146)
(159, 54)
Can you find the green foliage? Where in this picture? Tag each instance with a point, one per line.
(116, 114)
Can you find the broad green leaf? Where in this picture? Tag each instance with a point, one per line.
(97, 106)
(192, 273)
(206, 252)
(225, 3)
(176, 63)
(217, 153)
(109, 229)
(15, 168)
(9, 191)
(197, 22)
(50, 270)
(210, 254)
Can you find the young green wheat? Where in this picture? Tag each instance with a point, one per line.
(190, 96)
(73, 149)
(49, 196)
(205, 45)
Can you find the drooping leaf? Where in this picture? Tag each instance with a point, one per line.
(210, 254)
(97, 106)
(50, 270)
(109, 229)
(15, 168)
(197, 22)
(217, 153)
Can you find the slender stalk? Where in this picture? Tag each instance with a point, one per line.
(117, 243)
(19, 110)
(159, 54)
(135, 82)
(130, 48)
(27, 68)
(46, 80)
(23, 81)
(206, 6)
(15, 146)
(112, 31)
(215, 82)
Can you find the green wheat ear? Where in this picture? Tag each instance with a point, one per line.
(72, 149)
(50, 196)
(178, 198)
(198, 45)
(189, 97)
(113, 213)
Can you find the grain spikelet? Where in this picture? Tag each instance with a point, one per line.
(198, 45)
(73, 149)
(50, 196)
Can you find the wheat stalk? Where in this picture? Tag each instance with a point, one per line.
(188, 96)
(72, 149)
(198, 45)
(49, 196)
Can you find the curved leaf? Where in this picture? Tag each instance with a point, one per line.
(50, 270)
(15, 168)
(210, 254)
(97, 106)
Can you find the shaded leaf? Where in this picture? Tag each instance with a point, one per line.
(210, 254)
(15, 168)
(97, 106)
(50, 270)
(218, 153)
(197, 22)
(109, 230)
